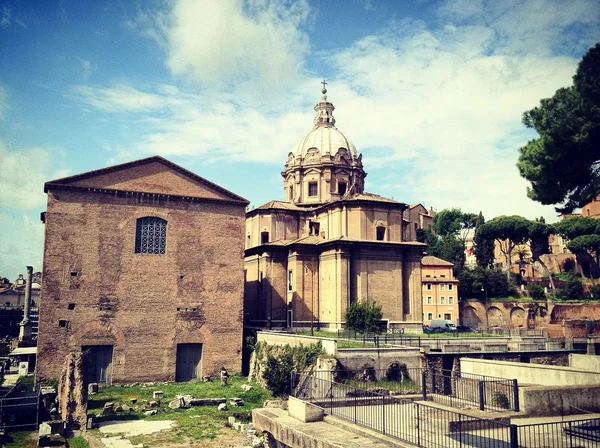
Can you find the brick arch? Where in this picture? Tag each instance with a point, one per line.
(94, 332)
(518, 317)
(495, 317)
(470, 317)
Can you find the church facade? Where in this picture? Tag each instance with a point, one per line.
(143, 272)
(329, 243)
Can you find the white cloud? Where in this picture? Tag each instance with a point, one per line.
(23, 175)
(439, 107)
(248, 44)
(21, 243)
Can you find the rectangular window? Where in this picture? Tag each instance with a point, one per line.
(442, 300)
(313, 189)
(450, 300)
(380, 233)
(443, 275)
(260, 282)
(290, 280)
(442, 287)
(427, 275)
(429, 316)
(450, 287)
(447, 316)
(342, 188)
(429, 300)
(150, 235)
(428, 286)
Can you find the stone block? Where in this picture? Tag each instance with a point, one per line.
(157, 394)
(304, 411)
(92, 388)
(152, 412)
(177, 403)
(231, 420)
(246, 387)
(153, 404)
(222, 407)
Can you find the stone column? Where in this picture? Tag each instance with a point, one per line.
(25, 330)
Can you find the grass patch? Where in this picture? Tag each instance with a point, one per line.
(346, 343)
(26, 382)
(78, 442)
(191, 424)
(21, 439)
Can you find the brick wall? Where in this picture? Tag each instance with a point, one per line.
(142, 304)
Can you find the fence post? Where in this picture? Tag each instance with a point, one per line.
(383, 412)
(481, 395)
(355, 403)
(433, 379)
(514, 436)
(424, 384)
(460, 430)
(516, 395)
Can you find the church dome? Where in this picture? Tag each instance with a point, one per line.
(324, 136)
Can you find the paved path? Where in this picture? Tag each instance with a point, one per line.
(130, 428)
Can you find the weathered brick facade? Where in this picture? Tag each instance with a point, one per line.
(98, 292)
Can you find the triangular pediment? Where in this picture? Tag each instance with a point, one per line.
(154, 175)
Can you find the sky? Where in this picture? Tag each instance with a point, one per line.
(431, 93)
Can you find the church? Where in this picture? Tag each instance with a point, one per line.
(330, 243)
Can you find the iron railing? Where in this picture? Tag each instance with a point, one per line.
(421, 424)
(19, 410)
(430, 425)
(564, 434)
(451, 388)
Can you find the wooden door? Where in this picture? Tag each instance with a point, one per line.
(188, 360)
(98, 364)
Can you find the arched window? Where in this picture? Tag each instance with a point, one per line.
(150, 235)
(380, 233)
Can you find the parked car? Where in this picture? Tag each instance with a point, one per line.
(467, 329)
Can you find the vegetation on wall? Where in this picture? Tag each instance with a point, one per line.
(273, 364)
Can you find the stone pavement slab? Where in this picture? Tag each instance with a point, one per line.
(135, 427)
(119, 442)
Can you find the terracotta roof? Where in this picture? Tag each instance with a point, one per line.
(65, 181)
(279, 205)
(430, 260)
(370, 197)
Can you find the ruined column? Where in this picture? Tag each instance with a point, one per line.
(25, 330)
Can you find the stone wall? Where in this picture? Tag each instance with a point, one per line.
(535, 374)
(584, 362)
(559, 400)
(378, 358)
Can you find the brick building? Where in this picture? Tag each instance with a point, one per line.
(329, 243)
(440, 290)
(143, 270)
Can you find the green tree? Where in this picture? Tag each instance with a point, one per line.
(583, 235)
(508, 232)
(484, 248)
(563, 163)
(539, 232)
(447, 221)
(363, 316)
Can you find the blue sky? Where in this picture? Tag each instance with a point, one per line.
(431, 92)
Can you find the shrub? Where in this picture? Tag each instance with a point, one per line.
(282, 361)
(573, 290)
(595, 291)
(501, 400)
(363, 317)
(537, 292)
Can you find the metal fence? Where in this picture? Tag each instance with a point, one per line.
(428, 425)
(565, 434)
(417, 423)
(447, 387)
(19, 410)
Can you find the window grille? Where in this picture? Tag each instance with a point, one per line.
(150, 235)
(313, 189)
